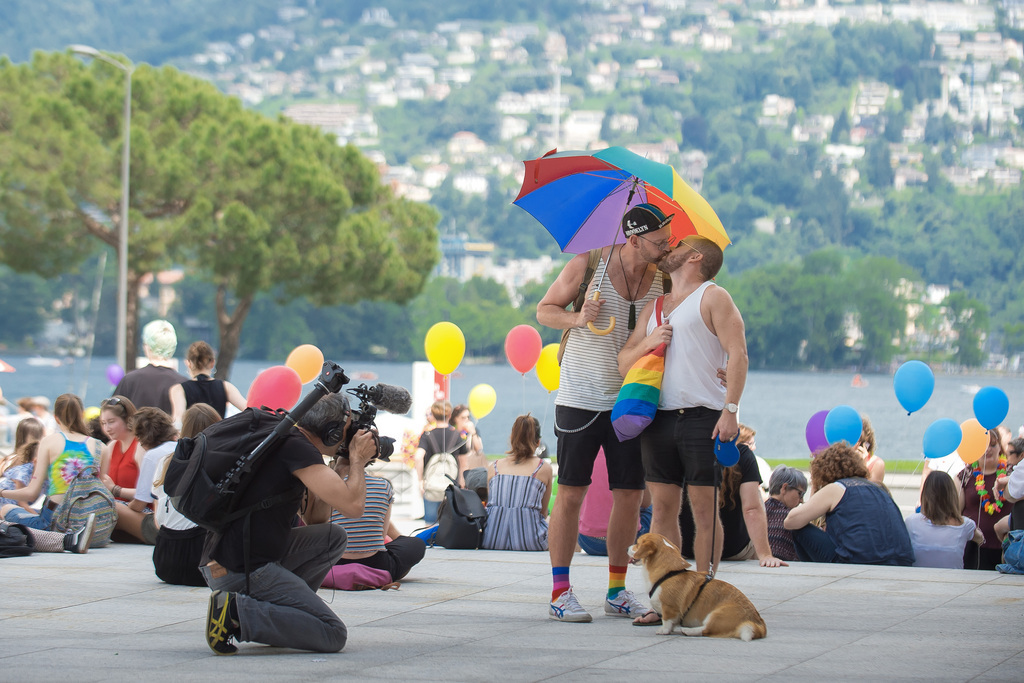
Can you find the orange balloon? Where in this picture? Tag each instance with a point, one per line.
(307, 360)
(974, 442)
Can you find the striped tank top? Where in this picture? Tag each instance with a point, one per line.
(366, 534)
(589, 377)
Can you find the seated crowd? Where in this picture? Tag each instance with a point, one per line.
(849, 516)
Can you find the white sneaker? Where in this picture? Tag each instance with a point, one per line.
(625, 604)
(567, 608)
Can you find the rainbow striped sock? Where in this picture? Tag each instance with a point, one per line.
(616, 580)
(560, 578)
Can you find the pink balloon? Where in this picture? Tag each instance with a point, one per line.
(522, 347)
(276, 387)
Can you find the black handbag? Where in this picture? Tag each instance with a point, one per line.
(460, 520)
(15, 540)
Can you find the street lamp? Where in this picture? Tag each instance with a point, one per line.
(122, 253)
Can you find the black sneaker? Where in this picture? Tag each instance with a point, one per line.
(78, 541)
(220, 627)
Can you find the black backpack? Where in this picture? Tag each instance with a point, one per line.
(460, 520)
(209, 473)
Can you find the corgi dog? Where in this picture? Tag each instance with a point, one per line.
(686, 599)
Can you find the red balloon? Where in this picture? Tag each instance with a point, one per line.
(522, 347)
(276, 387)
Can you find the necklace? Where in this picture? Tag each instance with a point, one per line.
(632, 295)
(990, 506)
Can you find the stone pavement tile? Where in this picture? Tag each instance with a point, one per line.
(899, 656)
(472, 663)
(1009, 669)
(673, 675)
(699, 657)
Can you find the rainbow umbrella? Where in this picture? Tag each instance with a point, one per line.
(581, 197)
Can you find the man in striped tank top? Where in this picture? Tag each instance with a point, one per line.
(704, 332)
(627, 278)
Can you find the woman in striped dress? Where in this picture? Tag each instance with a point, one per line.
(519, 491)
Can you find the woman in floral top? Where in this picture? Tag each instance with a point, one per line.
(17, 469)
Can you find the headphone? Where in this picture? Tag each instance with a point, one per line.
(332, 433)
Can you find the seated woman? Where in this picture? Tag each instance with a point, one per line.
(18, 467)
(158, 437)
(519, 491)
(597, 506)
(474, 457)
(121, 457)
(744, 523)
(939, 532)
(202, 388)
(984, 502)
(866, 449)
(1015, 521)
(786, 489)
(19, 473)
(60, 457)
(863, 523)
(179, 541)
(367, 544)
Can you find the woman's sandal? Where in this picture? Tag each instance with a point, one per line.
(642, 620)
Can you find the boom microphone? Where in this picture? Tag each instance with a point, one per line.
(388, 397)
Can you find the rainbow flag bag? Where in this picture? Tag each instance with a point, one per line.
(638, 398)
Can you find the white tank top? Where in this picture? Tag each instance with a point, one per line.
(589, 377)
(692, 359)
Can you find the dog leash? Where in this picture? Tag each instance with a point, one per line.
(714, 524)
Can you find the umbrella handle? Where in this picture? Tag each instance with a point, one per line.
(611, 320)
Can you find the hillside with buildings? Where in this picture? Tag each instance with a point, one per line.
(878, 129)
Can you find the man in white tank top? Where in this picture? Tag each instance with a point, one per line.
(627, 278)
(703, 329)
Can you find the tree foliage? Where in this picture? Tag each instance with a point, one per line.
(250, 204)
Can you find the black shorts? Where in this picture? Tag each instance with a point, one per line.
(678, 447)
(577, 450)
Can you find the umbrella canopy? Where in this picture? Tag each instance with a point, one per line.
(581, 197)
(6, 367)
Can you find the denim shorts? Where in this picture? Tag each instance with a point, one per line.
(20, 515)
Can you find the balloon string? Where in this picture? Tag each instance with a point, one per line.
(524, 395)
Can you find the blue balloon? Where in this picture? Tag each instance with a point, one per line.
(727, 452)
(843, 424)
(914, 383)
(991, 405)
(942, 438)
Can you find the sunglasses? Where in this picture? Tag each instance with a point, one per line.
(111, 401)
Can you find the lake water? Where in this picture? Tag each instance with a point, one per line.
(776, 404)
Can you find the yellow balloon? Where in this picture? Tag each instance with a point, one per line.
(547, 367)
(445, 346)
(91, 412)
(482, 398)
(974, 442)
(307, 360)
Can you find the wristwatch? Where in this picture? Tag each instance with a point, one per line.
(732, 408)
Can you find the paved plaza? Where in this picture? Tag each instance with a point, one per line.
(482, 616)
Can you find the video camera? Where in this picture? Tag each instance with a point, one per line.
(386, 397)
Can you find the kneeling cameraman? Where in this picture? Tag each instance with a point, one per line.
(286, 565)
